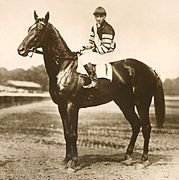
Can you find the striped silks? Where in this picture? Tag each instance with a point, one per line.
(106, 43)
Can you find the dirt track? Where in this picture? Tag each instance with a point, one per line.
(32, 145)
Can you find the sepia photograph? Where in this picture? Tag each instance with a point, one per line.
(89, 90)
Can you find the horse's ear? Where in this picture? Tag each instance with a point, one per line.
(47, 16)
(35, 15)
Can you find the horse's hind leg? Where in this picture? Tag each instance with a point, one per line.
(143, 110)
(126, 105)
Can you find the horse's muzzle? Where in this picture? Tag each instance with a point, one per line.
(22, 51)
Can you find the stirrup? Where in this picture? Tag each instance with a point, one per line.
(92, 85)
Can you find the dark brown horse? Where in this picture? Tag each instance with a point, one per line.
(133, 85)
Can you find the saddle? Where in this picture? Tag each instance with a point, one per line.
(102, 71)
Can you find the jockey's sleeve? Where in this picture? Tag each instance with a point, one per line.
(106, 43)
(90, 43)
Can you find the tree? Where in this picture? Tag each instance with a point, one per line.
(171, 86)
(38, 74)
(3, 75)
(35, 74)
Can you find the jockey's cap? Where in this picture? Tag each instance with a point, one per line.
(99, 11)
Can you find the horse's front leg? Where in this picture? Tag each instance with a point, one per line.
(66, 128)
(72, 111)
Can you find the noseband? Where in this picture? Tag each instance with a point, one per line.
(34, 49)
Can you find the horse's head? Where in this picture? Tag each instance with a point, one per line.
(35, 36)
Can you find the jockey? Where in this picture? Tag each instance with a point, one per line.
(100, 43)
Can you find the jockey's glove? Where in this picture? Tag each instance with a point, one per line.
(83, 49)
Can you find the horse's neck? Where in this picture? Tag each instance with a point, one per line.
(56, 53)
(61, 72)
(60, 62)
(55, 63)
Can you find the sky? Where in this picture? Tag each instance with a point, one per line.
(145, 30)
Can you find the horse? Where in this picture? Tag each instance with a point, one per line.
(132, 88)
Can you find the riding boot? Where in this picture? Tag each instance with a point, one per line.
(91, 70)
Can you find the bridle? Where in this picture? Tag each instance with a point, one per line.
(34, 49)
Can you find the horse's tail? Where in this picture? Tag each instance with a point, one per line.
(159, 103)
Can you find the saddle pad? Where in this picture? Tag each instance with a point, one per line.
(102, 70)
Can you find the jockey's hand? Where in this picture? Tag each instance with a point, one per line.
(81, 51)
(84, 48)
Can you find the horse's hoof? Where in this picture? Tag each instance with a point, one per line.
(128, 160)
(142, 164)
(127, 157)
(144, 157)
(72, 163)
(64, 163)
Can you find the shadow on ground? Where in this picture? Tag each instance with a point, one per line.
(85, 161)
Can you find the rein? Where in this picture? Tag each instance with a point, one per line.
(57, 59)
(34, 49)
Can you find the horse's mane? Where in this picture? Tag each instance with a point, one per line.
(58, 35)
(67, 55)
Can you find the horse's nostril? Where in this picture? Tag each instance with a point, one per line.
(21, 49)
